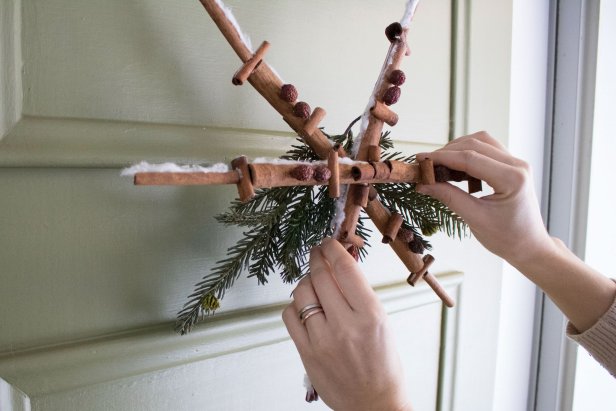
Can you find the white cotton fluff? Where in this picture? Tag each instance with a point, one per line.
(276, 73)
(265, 160)
(411, 5)
(233, 20)
(409, 11)
(339, 214)
(145, 167)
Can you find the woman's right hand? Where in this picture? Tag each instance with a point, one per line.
(507, 222)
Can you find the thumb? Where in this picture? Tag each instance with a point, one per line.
(456, 199)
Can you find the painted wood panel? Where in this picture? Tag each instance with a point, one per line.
(166, 62)
(242, 362)
(85, 255)
(10, 65)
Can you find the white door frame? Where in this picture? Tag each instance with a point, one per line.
(571, 81)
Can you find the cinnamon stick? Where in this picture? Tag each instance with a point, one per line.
(374, 153)
(391, 229)
(384, 113)
(413, 262)
(379, 215)
(427, 171)
(315, 119)
(265, 81)
(268, 84)
(362, 172)
(382, 170)
(439, 290)
(267, 175)
(403, 172)
(186, 179)
(415, 277)
(334, 180)
(361, 195)
(248, 67)
(244, 186)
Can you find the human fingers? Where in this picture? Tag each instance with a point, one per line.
(304, 296)
(325, 285)
(486, 149)
(458, 200)
(500, 176)
(351, 280)
(480, 136)
(296, 330)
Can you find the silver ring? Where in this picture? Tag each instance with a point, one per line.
(311, 313)
(307, 308)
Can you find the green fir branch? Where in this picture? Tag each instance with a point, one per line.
(282, 225)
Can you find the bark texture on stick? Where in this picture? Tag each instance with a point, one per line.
(334, 166)
(265, 80)
(185, 179)
(246, 70)
(245, 188)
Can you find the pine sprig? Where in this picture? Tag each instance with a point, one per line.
(282, 225)
(426, 213)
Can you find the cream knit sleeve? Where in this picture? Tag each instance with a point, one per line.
(600, 339)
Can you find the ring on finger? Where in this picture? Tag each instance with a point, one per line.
(307, 308)
(310, 313)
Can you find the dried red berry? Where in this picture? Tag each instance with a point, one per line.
(322, 173)
(391, 95)
(397, 77)
(302, 172)
(406, 235)
(442, 174)
(288, 93)
(393, 32)
(301, 109)
(417, 246)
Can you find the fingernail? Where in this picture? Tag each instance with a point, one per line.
(422, 156)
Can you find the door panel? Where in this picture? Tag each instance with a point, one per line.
(94, 270)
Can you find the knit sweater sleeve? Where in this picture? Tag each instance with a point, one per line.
(600, 339)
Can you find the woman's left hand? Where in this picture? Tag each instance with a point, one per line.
(347, 348)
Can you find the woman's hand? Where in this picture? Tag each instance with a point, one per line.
(347, 349)
(507, 222)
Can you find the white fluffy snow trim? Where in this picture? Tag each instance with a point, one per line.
(265, 160)
(339, 213)
(411, 5)
(233, 20)
(145, 167)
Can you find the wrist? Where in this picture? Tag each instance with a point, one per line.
(406, 407)
(534, 260)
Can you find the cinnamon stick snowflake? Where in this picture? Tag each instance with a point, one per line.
(324, 186)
